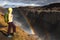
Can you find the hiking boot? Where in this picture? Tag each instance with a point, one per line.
(13, 34)
(9, 36)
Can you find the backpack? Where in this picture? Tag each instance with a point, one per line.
(6, 17)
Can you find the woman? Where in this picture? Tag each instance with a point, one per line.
(9, 20)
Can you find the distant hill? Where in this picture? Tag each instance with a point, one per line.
(57, 5)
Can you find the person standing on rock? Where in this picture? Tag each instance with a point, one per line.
(9, 20)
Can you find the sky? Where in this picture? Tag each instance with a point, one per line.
(17, 3)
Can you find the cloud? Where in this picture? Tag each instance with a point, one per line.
(7, 4)
(15, 3)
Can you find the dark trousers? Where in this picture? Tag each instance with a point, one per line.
(11, 26)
